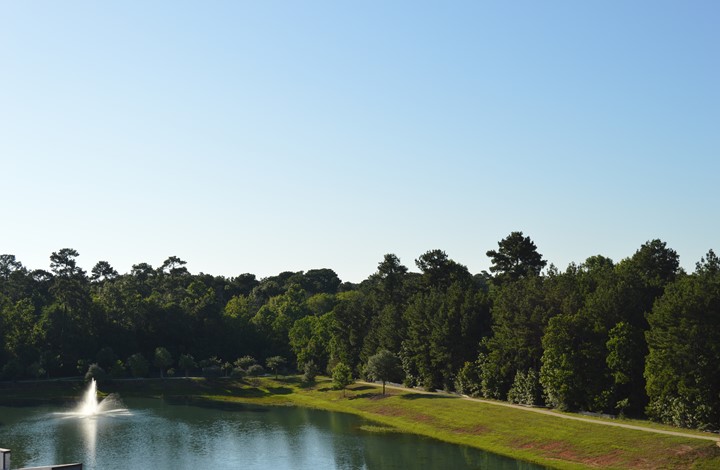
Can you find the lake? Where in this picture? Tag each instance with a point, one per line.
(159, 435)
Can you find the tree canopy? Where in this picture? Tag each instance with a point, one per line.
(637, 337)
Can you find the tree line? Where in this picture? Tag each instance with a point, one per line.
(639, 337)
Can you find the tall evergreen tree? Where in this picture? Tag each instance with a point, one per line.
(515, 258)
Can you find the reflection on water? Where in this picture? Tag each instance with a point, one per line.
(155, 434)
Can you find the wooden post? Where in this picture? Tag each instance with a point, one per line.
(4, 459)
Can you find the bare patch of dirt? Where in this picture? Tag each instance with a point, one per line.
(389, 411)
(378, 396)
(473, 430)
(399, 412)
(682, 450)
(612, 459)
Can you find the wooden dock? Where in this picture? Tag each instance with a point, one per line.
(5, 464)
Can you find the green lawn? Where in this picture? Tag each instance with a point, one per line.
(534, 437)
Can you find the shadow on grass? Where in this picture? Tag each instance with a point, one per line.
(290, 379)
(415, 396)
(280, 390)
(251, 392)
(362, 387)
(366, 395)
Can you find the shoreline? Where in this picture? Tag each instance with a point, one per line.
(517, 432)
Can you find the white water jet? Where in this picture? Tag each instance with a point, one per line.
(90, 407)
(89, 404)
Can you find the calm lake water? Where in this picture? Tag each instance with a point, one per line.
(158, 435)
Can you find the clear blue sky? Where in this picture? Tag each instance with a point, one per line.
(268, 136)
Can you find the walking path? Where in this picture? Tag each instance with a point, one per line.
(556, 414)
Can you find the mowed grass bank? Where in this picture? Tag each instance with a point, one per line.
(517, 433)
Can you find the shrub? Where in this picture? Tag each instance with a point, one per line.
(311, 371)
(118, 370)
(237, 373)
(245, 362)
(467, 381)
(342, 377)
(255, 370)
(525, 389)
(11, 370)
(139, 366)
(186, 362)
(95, 372)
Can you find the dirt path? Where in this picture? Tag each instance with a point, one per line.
(556, 414)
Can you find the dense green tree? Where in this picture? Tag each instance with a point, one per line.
(162, 360)
(384, 366)
(186, 362)
(321, 281)
(18, 322)
(274, 363)
(439, 271)
(8, 265)
(320, 304)
(138, 365)
(352, 318)
(174, 266)
(520, 315)
(587, 330)
(255, 370)
(526, 389)
(341, 376)
(417, 355)
(515, 258)
(391, 280)
(310, 371)
(310, 339)
(245, 362)
(241, 285)
(63, 263)
(625, 361)
(275, 319)
(15, 281)
(102, 271)
(683, 364)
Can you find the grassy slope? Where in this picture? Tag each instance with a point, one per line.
(529, 436)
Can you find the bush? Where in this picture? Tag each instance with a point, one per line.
(255, 370)
(341, 376)
(162, 360)
(245, 362)
(186, 362)
(467, 381)
(118, 370)
(139, 366)
(105, 357)
(95, 372)
(525, 389)
(384, 366)
(212, 362)
(274, 363)
(311, 370)
(11, 370)
(36, 370)
(237, 373)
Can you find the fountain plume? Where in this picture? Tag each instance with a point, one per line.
(90, 406)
